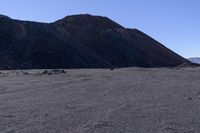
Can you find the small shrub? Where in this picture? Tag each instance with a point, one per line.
(112, 68)
(45, 72)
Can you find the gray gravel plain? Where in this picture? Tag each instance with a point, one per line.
(129, 100)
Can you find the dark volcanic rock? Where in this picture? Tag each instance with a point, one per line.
(80, 41)
(25, 45)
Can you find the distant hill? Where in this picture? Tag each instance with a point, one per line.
(195, 60)
(79, 41)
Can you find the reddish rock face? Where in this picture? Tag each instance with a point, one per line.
(79, 41)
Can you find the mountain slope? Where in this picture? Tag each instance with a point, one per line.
(79, 41)
(25, 45)
(195, 60)
(117, 45)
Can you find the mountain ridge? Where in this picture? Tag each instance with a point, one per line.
(195, 60)
(79, 41)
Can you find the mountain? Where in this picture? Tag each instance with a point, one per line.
(79, 41)
(195, 60)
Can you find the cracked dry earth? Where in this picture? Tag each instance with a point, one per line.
(129, 100)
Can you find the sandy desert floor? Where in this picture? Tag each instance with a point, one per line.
(129, 100)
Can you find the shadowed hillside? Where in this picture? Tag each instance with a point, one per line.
(79, 41)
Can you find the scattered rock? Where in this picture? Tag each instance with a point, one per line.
(112, 68)
(55, 71)
(190, 98)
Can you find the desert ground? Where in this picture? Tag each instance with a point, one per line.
(128, 100)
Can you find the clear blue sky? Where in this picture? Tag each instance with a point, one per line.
(175, 23)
